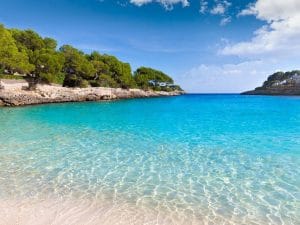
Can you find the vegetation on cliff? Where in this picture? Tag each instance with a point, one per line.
(281, 78)
(25, 52)
(148, 78)
(280, 83)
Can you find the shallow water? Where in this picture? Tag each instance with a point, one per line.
(193, 159)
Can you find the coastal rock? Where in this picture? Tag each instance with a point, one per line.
(16, 95)
(279, 84)
(275, 91)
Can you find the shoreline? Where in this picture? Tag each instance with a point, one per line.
(81, 211)
(272, 93)
(14, 93)
(78, 211)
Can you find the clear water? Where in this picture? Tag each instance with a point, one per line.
(210, 159)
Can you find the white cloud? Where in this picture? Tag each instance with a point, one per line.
(225, 21)
(220, 8)
(228, 78)
(203, 6)
(168, 4)
(281, 34)
(272, 10)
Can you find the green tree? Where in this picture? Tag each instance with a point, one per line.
(11, 57)
(104, 80)
(25, 51)
(113, 69)
(77, 65)
(50, 43)
(97, 60)
(119, 71)
(126, 79)
(100, 67)
(49, 65)
(143, 75)
(29, 39)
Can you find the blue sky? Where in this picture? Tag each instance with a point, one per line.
(206, 46)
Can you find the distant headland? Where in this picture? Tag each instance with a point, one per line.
(33, 62)
(279, 83)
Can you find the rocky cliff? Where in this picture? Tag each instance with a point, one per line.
(16, 94)
(279, 83)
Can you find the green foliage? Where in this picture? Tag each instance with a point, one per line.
(11, 77)
(117, 70)
(28, 39)
(125, 79)
(279, 76)
(50, 43)
(57, 78)
(176, 88)
(41, 53)
(94, 83)
(100, 67)
(104, 81)
(48, 64)
(72, 80)
(26, 52)
(11, 58)
(107, 81)
(143, 75)
(77, 63)
(83, 83)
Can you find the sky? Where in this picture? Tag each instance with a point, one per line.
(207, 46)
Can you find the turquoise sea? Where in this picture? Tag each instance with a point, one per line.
(191, 159)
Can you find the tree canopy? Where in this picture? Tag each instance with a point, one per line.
(280, 76)
(37, 57)
(12, 58)
(144, 75)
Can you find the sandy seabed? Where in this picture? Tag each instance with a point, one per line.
(78, 212)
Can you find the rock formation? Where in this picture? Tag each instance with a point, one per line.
(279, 83)
(15, 93)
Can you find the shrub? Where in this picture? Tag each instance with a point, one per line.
(94, 83)
(83, 83)
(50, 78)
(12, 77)
(71, 81)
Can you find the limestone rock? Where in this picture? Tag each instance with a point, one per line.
(16, 95)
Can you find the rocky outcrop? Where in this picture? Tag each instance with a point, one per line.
(17, 95)
(279, 84)
(275, 91)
